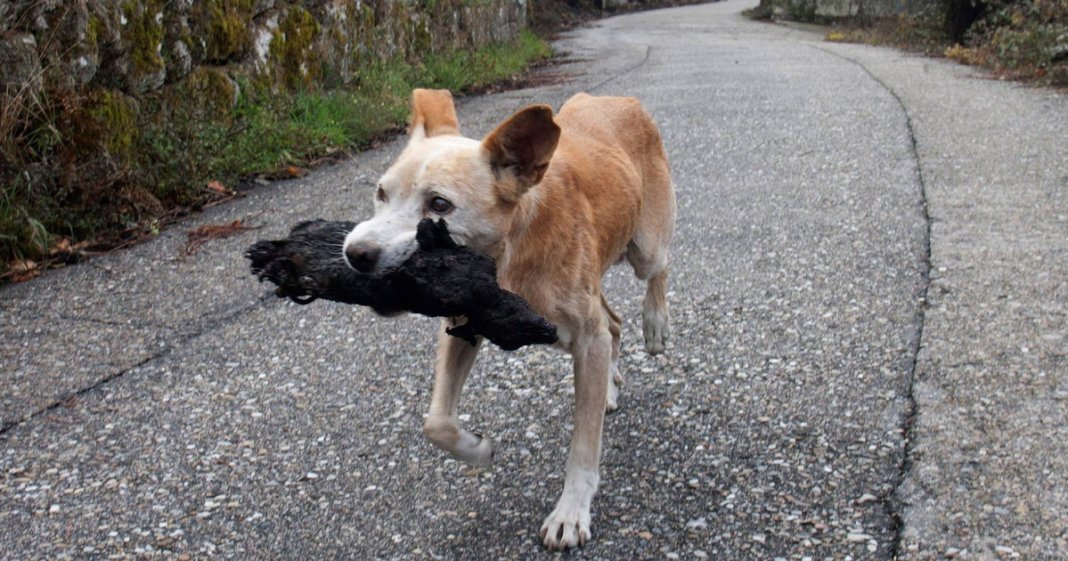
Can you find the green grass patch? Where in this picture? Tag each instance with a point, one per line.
(478, 69)
(22, 233)
(86, 168)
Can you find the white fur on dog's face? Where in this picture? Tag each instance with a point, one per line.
(452, 168)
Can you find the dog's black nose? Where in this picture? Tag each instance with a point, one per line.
(362, 256)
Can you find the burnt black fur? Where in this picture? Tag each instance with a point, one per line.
(441, 279)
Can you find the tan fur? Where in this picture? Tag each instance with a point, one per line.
(556, 201)
(434, 112)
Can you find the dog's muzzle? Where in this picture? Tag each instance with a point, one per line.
(362, 256)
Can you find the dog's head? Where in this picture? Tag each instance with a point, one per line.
(474, 185)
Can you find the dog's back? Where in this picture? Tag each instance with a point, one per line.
(606, 194)
(616, 121)
(622, 170)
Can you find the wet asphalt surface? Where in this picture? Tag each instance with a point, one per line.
(168, 408)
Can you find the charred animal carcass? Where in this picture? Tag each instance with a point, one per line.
(440, 279)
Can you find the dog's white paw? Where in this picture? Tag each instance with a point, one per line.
(656, 330)
(469, 447)
(567, 526)
(474, 448)
(615, 386)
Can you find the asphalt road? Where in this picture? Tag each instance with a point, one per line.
(869, 297)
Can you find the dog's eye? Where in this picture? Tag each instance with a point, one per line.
(440, 206)
(381, 195)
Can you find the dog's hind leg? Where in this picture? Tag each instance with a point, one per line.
(455, 357)
(649, 259)
(655, 318)
(649, 249)
(615, 378)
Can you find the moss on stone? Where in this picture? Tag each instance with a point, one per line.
(208, 92)
(360, 20)
(144, 34)
(92, 32)
(227, 27)
(400, 21)
(115, 119)
(419, 40)
(297, 64)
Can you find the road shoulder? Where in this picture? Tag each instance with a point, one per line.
(987, 472)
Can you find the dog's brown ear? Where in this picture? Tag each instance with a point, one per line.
(433, 114)
(520, 150)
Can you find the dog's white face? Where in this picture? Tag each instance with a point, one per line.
(447, 177)
(474, 185)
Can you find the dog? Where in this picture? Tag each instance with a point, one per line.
(556, 201)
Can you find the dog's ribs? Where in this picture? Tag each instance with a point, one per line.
(440, 279)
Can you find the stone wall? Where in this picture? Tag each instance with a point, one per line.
(116, 115)
(135, 47)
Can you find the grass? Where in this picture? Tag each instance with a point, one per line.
(473, 70)
(23, 233)
(77, 173)
(268, 133)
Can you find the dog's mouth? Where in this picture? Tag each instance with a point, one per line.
(387, 312)
(430, 236)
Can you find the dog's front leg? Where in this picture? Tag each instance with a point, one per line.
(569, 523)
(451, 367)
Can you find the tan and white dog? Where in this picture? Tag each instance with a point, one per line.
(556, 202)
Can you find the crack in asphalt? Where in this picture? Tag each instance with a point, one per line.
(891, 502)
(66, 399)
(226, 319)
(624, 72)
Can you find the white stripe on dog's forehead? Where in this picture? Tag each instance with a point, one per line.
(443, 146)
(458, 141)
(414, 160)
